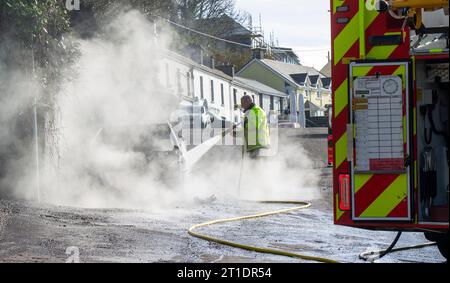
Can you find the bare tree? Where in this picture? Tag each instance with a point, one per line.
(191, 10)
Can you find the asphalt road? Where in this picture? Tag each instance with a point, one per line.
(31, 232)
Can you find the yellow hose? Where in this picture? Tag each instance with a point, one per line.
(302, 204)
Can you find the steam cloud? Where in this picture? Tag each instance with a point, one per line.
(117, 87)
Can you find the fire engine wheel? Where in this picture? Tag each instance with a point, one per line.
(442, 244)
(441, 240)
(443, 247)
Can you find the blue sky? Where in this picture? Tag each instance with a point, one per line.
(303, 25)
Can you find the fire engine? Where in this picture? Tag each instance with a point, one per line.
(390, 116)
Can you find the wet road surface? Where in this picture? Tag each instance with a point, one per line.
(43, 233)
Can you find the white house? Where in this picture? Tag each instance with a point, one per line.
(192, 81)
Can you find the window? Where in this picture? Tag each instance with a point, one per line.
(271, 103)
(212, 91)
(222, 95)
(201, 88)
(235, 96)
(179, 80)
(308, 94)
(188, 83)
(261, 101)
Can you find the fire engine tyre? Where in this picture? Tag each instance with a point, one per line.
(442, 243)
(441, 240)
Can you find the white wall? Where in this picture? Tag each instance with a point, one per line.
(225, 108)
(169, 78)
(168, 75)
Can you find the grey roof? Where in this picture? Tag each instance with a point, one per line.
(260, 87)
(326, 70)
(186, 60)
(299, 78)
(286, 69)
(244, 82)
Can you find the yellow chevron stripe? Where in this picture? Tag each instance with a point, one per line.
(345, 39)
(381, 52)
(388, 199)
(337, 3)
(361, 71)
(401, 71)
(342, 43)
(341, 98)
(350, 34)
(339, 212)
(362, 30)
(361, 180)
(341, 150)
(370, 16)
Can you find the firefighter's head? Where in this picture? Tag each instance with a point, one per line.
(246, 102)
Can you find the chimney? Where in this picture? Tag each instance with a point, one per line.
(195, 52)
(198, 56)
(227, 69)
(213, 63)
(258, 53)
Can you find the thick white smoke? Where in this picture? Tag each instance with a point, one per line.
(117, 89)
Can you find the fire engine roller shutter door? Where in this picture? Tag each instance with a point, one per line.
(379, 94)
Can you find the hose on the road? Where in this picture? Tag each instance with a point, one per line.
(300, 205)
(372, 255)
(367, 256)
(389, 249)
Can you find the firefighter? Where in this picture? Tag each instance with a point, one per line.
(256, 130)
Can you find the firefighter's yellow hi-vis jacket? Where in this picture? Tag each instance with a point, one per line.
(256, 129)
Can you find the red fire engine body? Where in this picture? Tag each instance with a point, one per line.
(390, 116)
